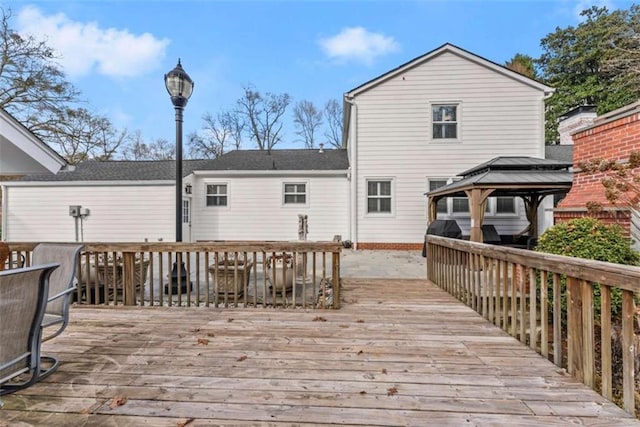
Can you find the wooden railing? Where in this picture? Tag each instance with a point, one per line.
(227, 274)
(519, 291)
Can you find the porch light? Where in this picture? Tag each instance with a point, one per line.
(188, 188)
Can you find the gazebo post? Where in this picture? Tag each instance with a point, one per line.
(477, 203)
(432, 209)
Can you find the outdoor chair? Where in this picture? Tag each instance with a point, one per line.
(23, 297)
(61, 284)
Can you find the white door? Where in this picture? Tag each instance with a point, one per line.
(186, 220)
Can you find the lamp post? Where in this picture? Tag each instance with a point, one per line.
(180, 86)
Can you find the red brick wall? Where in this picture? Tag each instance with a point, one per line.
(614, 140)
(391, 246)
(612, 216)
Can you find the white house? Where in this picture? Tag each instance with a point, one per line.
(416, 127)
(406, 132)
(21, 152)
(243, 195)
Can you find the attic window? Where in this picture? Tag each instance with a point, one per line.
(444, 119)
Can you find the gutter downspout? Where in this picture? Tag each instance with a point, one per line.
(5, 211)
(353, 187)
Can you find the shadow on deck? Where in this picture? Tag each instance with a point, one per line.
(399, 352)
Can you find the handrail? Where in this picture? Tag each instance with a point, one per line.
(505, 285)
(217, 273)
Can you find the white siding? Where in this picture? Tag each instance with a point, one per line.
(255, 209)
(117, 213)
(499, 116)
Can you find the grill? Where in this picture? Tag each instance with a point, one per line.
(444, 228)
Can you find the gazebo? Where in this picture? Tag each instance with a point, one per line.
(530, 178)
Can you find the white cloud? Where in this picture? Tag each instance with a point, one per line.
(358, 44)
(85, 47)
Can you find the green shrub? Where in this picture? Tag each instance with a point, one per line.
(591, 239)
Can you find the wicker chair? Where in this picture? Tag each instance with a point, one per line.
(23, 298)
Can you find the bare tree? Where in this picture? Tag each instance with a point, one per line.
(137, 149)
(79, 135)
(263, 116)
(32, 86)
(307, 119)
(333, 115)
(219, 132)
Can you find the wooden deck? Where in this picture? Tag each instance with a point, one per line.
(379, 361)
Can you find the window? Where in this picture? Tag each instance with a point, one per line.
(444, 118)
(216, 194)
(378, 196)
(460, 205)
(505, 205)
(434, 184)
(185, 212)
(295, 194)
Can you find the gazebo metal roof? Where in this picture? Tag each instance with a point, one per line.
(527, 177)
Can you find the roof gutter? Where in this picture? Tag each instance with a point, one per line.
(273, 173)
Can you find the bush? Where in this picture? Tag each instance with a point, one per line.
(591, 239)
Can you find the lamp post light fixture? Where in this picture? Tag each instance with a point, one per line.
(180, 86)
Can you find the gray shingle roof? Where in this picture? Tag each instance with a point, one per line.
(563, 153)
(159, 170)
(303, 160)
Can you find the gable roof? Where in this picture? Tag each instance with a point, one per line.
(448, 47)
(165, 170)
(21, 152)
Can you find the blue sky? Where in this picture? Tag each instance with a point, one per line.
(117, 52)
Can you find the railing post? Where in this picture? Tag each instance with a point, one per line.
(336, 279)
(128, 276)
(628, 351)
(574, 329)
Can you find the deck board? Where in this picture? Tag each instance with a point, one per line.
(399, 352)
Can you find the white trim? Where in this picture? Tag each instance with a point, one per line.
(282, 173)
(392, 181)
(459, 137)
(88, 183)
(206, 194)
(306, 184)
(16, 134)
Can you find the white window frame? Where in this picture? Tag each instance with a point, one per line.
(207, 195)
(391, 197)
(458, 121)
(515, 212)
(296, 193)
(446, 181)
